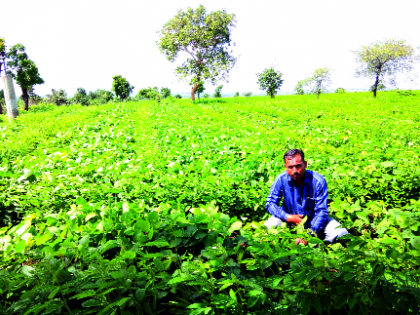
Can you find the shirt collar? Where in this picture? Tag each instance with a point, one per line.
(306, 180)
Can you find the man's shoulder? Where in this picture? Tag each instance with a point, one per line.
(316, 177)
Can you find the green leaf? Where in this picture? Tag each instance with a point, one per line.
(232, 295)
(20, 247)
(129, 255)
(44, 238)
(91, 303)
(53, 293)
(117, 274)
(237, 225)
(349, 276)
(28, 270)
(317, 304)
(415, 242)
(84, 294)
(140, 294)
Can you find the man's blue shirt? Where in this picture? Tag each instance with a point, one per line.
(310, 199)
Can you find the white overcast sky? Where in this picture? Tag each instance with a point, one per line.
(84, 43)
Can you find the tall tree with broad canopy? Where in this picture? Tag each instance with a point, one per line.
(205, 39)
(121, 87)
(382, 60)
(270, 81)
(24, 71)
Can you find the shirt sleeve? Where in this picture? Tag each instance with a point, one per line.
(273, 199)
(321, 206)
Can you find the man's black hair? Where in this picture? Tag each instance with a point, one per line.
(292, 153)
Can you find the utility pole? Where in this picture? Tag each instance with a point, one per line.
(9, 89)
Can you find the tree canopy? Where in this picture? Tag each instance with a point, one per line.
(317, 83)
(165, 92)
(81, 97)
(270, 81)
(204, 39)
(57, 97)
(121, 87)
(382, 60)
(218, 91)
(23, 70)
(2, 49)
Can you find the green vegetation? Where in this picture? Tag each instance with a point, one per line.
(270, 81)
(146, 207)
(121, 87)
(57, 97)
(316, 84)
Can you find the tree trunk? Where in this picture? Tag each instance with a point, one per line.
(25, 97)
(375, 87)
(272, 93)
(193, 90)
(157, 97)
(319, 93)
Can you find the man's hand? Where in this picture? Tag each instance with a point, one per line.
(300, 241)
(295, 219)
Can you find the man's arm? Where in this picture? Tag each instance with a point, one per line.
(272, 201)
(321, 206)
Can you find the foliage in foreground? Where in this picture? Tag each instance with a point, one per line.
(129, 260)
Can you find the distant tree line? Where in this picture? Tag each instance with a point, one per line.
(206, 40)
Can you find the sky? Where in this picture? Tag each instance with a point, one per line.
(85, 43)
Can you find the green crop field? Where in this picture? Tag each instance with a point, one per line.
(156, 208)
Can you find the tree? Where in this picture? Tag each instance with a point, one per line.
(205, 38)
(100, 97)
(121, 87)
(165, 92)
(23, 70)
(382, 60)
(270, 81)
(57, 97)
(218, 91)
(200, 89)
(178, 96)
(340, 90)
(299, 87)
(81, 97)
(206, 95)
(317, 83)
(144, 93)
(247, 94)
(236, 94)
(2, 49)
(149, 93)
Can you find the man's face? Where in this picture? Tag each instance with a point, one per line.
(295, 167)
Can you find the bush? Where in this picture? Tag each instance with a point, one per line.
(340, 90)
(236, 94)
(247, 94)
(57, 97)
(406, 93)
(178, 96)
(206, 95)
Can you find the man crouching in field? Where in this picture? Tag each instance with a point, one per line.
(305, 194)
